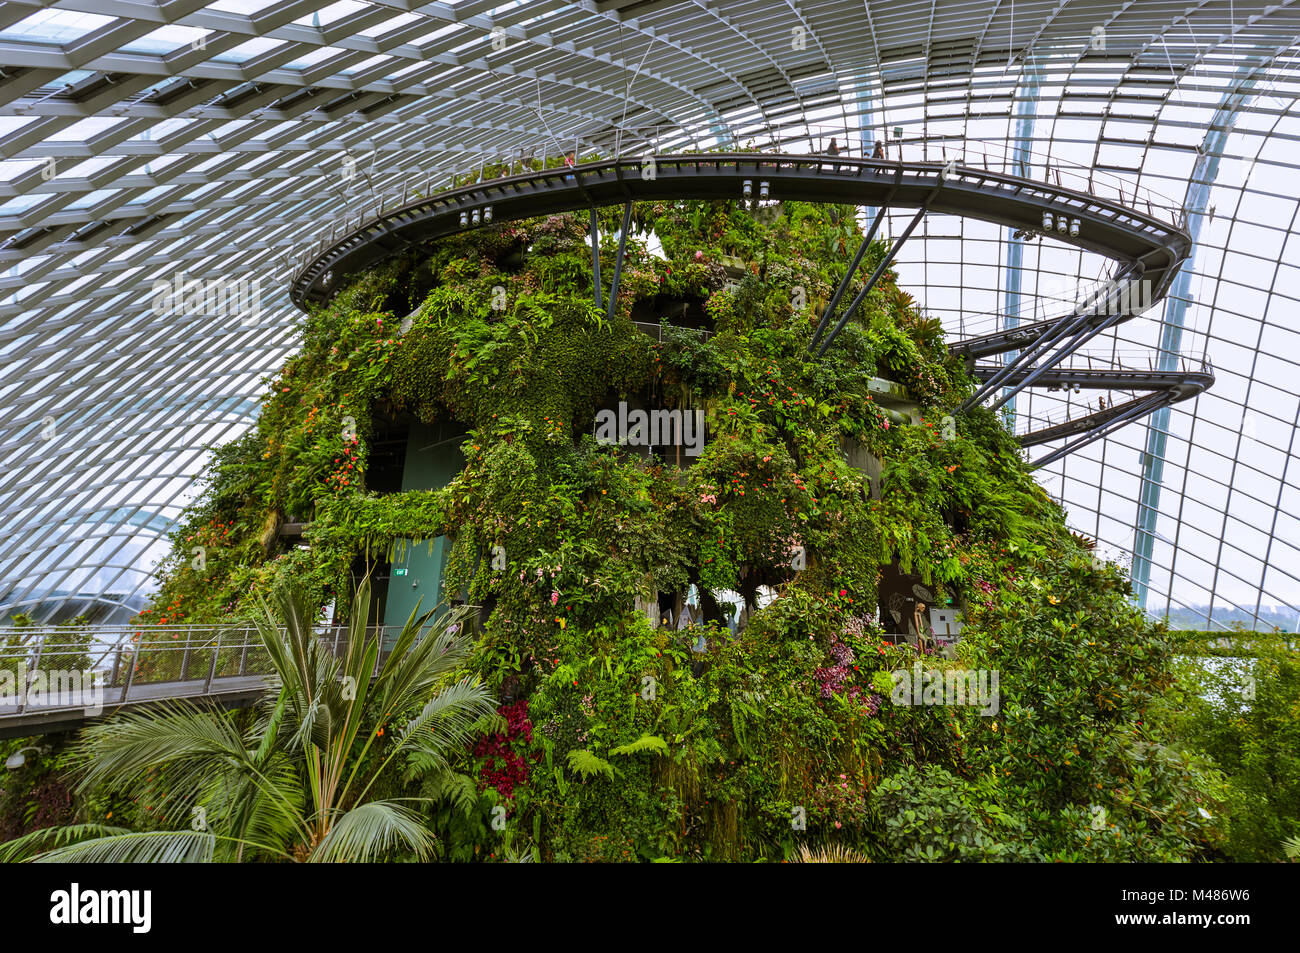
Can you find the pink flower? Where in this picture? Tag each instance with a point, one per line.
(555, 597)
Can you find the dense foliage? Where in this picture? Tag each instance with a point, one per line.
(1235, 708)
(621, 739)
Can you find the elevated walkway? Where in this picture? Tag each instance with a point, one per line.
(1143, 236)
(58, 678)
(1143, 240)
(1144, 390)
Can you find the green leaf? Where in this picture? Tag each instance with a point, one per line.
(587, 764)
(644, 743)
(370, 832)
(149, 847)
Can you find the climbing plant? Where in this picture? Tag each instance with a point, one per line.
(763, 722)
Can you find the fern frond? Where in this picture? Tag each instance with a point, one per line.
(459, 790)
(588, 764)
(644, 743)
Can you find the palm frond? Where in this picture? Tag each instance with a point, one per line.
(186, 746)
(149, 847)
(315, 723)
(414, 669)
(267, 730)
(1291, 847)
(263, 807)
(448, 720)
(363, 650)
(522, 856)
(415, 623)
(309, 674)
(371, 831)
(47, 838)
(122, 747)
(830, 854)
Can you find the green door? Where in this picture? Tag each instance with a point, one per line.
(416, 577)
(433, 459)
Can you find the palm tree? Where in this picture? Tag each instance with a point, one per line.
(299, 783)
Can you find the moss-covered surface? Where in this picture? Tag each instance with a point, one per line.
(625, 741)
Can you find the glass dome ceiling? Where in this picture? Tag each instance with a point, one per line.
(168, 142)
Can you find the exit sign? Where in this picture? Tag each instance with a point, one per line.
(399, 572)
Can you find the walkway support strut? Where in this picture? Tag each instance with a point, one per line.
(871, 282)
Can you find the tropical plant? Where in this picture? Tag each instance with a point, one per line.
(628, 739)
(1235, 704)
(1291, 847)
(299, 781)
(830, 854)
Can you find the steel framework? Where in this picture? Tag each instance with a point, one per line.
(141, 140)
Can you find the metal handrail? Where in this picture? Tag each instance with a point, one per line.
(966, 156)
(993, 154)
(1027, 423)
(130, 658)
(1036, 306)
(1134, 360)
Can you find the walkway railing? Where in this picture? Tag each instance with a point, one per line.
(1135, 361)
(1036, 305)
(992, 181)
(994, 155)
(51, 668)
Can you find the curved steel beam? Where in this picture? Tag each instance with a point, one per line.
(1147, 248)
(1105, 227)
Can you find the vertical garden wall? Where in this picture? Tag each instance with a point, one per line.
(694, 655)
